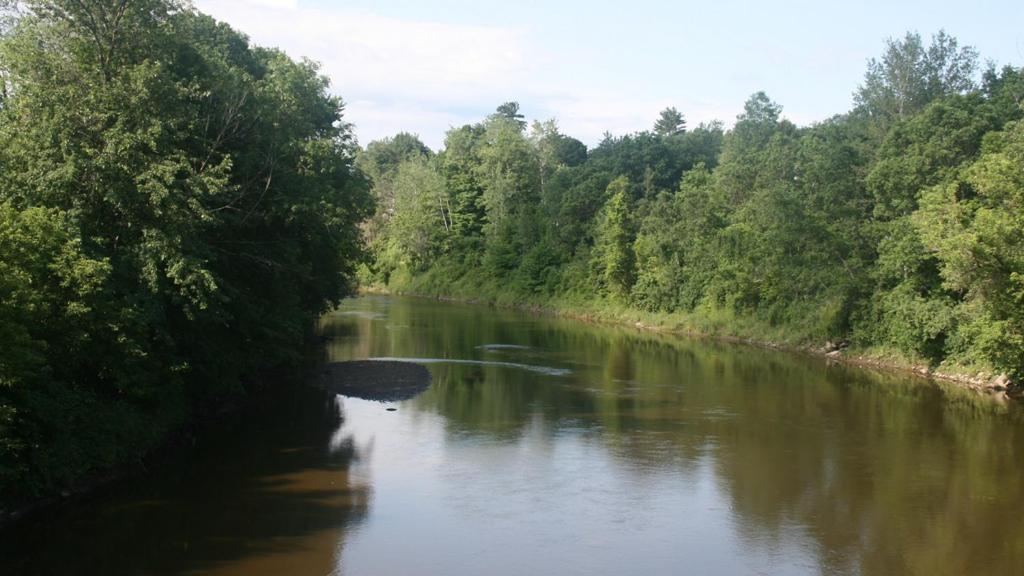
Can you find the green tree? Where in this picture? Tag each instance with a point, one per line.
(909, 76)
(510, 111)
(422, 219)
(614, 255)
(677, 245)
(670, 123)
(380, 162)
(510, 174)
(52, 297)
(744, 152)
(975, 226)
(207, 204)
(459, 164)
(382, 157)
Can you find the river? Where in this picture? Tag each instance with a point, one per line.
(550, 446)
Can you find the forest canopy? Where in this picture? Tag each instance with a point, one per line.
(176, 207)
(895, 227)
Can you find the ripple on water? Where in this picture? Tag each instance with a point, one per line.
(546, 370)
(365, 314)
(499, 347)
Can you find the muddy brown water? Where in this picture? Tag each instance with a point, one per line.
(547, 446)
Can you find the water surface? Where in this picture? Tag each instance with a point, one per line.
(548, 446)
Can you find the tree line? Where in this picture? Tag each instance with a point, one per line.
(897, 226)
(176, 207)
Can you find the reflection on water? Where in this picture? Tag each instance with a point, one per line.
(538, 369)
(499, 347)
(264, 494)
(654, 454)
(631, 453)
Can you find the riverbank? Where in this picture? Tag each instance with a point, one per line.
(979, 380)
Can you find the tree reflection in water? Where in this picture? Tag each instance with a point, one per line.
(855, 471)
(263, 494)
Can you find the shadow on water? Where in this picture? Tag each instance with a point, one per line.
(263, 494)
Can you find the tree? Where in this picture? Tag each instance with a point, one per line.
(653, 163)
(510, 111)
(975, 226)
(380, 161)
(52, 295)
(676, 245)
(554, 149)
(570, 152)
(925, 149)
(422, 219)
(745, 162)
(382, 157)
(459, 164)
(108, 31)
(545, 137)
(1004, 87)
(670, 123)
(510, 173)
(909, 76)
(194, 203)
(615, 258)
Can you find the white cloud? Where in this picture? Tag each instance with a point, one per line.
(376, 120)
(425, 77)
(589, 118)
(390, 69)
(291, 4)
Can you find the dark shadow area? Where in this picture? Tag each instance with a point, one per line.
(262, 494)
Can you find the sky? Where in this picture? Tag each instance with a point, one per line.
(426, 66)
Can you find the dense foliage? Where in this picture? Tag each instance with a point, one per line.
(896, 226)
(176, 206)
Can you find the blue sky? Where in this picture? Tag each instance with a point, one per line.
(424, 67)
